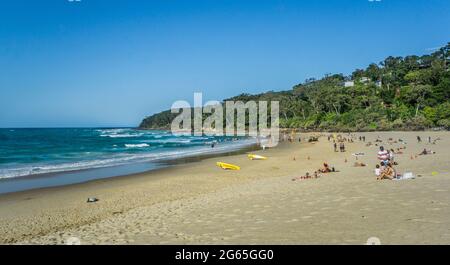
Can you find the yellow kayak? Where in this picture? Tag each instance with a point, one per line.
(228, 166)
(256, 157)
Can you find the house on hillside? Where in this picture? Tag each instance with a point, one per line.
(364, 79)
(349, 83)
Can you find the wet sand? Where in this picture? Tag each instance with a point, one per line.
(198, 203)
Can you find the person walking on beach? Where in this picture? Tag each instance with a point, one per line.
(419, 139)
(342, 147)
(335, 147)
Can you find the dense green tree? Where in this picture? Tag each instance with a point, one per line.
(413, 94)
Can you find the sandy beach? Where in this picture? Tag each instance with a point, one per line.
(199, 203)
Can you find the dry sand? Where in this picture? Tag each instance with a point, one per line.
(198, 203)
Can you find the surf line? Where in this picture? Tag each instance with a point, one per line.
(192, 255)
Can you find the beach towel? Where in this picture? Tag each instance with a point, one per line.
(405, 176)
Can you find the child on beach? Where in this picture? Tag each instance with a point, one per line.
(377, 171)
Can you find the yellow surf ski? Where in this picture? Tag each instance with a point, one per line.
(256, 157)
(227, 166)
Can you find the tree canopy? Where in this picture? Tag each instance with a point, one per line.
(399, 93)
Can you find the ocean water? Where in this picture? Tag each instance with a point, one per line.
(28, 152)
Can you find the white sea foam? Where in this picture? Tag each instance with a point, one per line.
(136, 145)
(121, 135)
(122, 159)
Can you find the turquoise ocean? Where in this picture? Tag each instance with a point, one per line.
(67, 154)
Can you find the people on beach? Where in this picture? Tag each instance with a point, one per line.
(342, 147)
(419, 139)
(335, 147)
(383, 155)
(427, 152)
(391, 155)
(326, 169)
(388, 172)
(307, 176)
(399, 151)
(377, 171)
(316, 174)
(359, 164)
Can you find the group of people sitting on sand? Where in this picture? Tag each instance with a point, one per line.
(318, 173)
(385, 169)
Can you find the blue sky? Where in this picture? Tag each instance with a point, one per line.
(112, 62)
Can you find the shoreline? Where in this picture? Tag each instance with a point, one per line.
(189, 203)
(78, 176)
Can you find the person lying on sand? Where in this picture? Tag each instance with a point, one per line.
(359, 164)
(307, 176)
(302, 177)
(388, 173)
(427, 152)
(399, 151)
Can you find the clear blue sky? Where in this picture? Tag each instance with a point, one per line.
(112, 62)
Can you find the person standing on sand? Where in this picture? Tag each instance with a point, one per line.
(342, 147)
(383, 155)
(391, 155)
(335, 147)
(419, 139)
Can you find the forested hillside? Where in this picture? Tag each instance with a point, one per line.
(399, 93)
